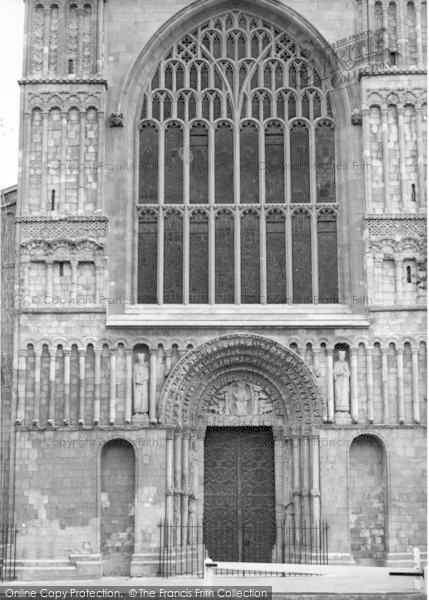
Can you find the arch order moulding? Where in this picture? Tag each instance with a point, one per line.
(298, 400)
(344, 99)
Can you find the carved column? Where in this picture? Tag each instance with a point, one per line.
(370, 385)
(97, 386)
(279, 466)
(186, 247)
(367, 158)
(25, 192)
(330, 383)
(63, 160)
(37, 362)
(185, 482)
(51, 408)
(112, 405)
(305, 479)
(315, 491)
(420, 158)
(46, 26)
(398, 278)
(386, 171)
(152, 385)
(81, 185)
(402, 168)
(415, 367)
(82, 356)
(177, 508)
(100, 159)
(212, 255)
(296, 460)
(237, 255)
(44, 161)
(169, 475)
(128, 385)
(385, 385)
(400, 367)
(67, 356)
(160, 254)
(354, 411)
(20, 409)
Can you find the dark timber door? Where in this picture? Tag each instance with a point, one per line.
(239, 500)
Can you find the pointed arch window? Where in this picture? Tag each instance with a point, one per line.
(236, 163)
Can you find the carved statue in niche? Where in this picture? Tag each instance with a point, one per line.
(241, 400)
(141, 386)
(342, 382)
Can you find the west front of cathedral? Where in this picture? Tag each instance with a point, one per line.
(220, 283)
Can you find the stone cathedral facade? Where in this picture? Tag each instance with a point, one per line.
(221, 280)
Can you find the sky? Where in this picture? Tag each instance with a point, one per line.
(11, 46)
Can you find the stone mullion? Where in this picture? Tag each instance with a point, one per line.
(315, 480)
(314, 257)
(330, 383)
(51, 406)
(354, 391)
(160, 257)
(81, 184)
(100, 27)
(67, 356)
(82, 359)
(288, 252)
(112, 400)
(416, 391)
(100, 158)
(46, 27)
(152, 385)
(420, 159)
(385, 386)
(400, 375)
(398, 279)
(97, 386)
(63, 161)
(37, 372)
(186, 254)
(44, 165)
(169, 476)
(21, 392)
(237, 256)
(212, 256)
(367, 159)
(263, 256)
(385, 132)
(128, 385)
(402, 167)
(370, 385)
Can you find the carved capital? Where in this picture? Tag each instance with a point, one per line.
(315, 492)
(357, 117)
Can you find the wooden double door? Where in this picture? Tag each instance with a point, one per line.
(239, 494)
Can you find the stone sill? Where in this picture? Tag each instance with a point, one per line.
(398, 308)
(230, 315)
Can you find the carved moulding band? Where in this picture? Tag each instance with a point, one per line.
(276, 373)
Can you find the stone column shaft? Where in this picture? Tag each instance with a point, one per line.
(367, 158)
(237, 256)
(400, 366)
(37, 363)
(330, 384)
(44, 165)
(420, 159)
(81, 185)
(169, 477)
(315, 479)
(112, 405)
(67, 356)
(370, 385)
(385, 131)
(385, 386)
(152, 386)
(398, 279)
(51, 409)
(296, 460)
(354, 393)
(82, 356)
(20, 410)
(416, 393)
(128, 385)
(97, 390)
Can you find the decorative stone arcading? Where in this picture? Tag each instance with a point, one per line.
(70, 228)
(212, 365)
(395, 226)
(82, 100)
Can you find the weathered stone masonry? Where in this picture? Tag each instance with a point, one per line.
(80, 327)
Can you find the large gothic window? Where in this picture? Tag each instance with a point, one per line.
(237, 194)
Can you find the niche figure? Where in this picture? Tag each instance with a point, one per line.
(141, 386)
(342, 382)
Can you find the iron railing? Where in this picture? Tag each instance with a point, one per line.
(183, 548)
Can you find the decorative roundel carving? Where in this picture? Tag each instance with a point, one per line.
(241, 379)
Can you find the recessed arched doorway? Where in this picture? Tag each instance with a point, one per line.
(368, 500)
(117, 501)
